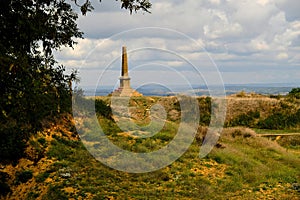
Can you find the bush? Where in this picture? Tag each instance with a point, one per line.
(55, 192)
(42, 141)
(32, 195)
(280, 120)
(246, 119)
(42, 177)
(12, 143)
(236, 132)
(295, 92)
(59, 150)
(290, 142)
(241, 94)
(23, 176)
(4, 187)
(164, 136)
(103, 109)
(200, 135)
(205, 110)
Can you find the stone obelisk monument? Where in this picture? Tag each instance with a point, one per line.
(125, 90)
(124, 79)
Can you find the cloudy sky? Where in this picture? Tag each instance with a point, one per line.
(190, 42)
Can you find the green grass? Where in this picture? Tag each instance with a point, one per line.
(250, 164)
(246, 167)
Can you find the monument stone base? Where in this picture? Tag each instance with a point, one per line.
(126, 92)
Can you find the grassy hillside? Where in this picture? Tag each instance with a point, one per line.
(241, 166)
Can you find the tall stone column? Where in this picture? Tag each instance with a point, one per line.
(124, 79)
(124, 62)
(125, 90)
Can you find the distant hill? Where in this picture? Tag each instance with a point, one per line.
(160, 90)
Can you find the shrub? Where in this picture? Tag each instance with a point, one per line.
(200, 135)
(164, 136)
(32, 195)
(42, 141)
(236, 132)
(55, 192)
(286, 116)
(4, 187)
(103, 109)
(12, 143)
(66, 142)
(42, 177)
(241, 94)
(295, 92)
(277, 120)
(205, 110)
(23, 176)
(59, 150)
(246, 119)
(290, 141)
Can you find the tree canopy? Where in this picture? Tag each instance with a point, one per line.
(33, 85)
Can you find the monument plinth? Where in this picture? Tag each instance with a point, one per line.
(125, 89)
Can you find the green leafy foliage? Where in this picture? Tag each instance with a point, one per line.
(32, 85)
(135, 5)
(131, 5)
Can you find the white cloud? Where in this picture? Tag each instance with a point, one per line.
(282, 56)
(290, 8)
(238, 35)
(263, 2)
(260, 45)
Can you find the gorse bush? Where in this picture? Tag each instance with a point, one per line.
(4, 187)
(286, 116)
(62, 148)
(12, 143)
(295, 92)
(55, 192)
(246, 119)
(205, 110)
(23, 176)
(103, 109)
(42, 177)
